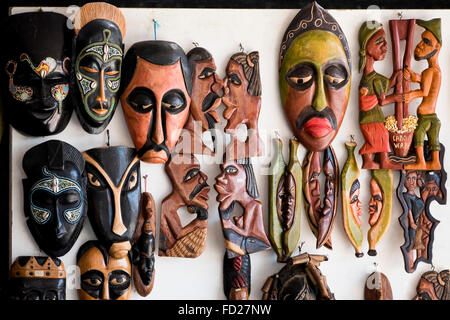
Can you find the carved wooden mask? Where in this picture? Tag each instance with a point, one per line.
(103, 277)
(54, 191)
(37, 278)
(156, 88)
(314, 76)
(37, 73)
(98, 51)
(113, 192)
(434, 285)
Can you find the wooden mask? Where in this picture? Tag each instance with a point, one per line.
(205, 98)
(299, 279)
(242, 98)
(113, 192)
(156, 87)
(100, 29)
(103, 277)
(37, 73)
(37, 278)
(434, 285)
(190, 189)
(314, 76)
(54, 191)
(377, 287)
(243, 234)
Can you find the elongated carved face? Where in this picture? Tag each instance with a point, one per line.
(113, 192)
(103, 277)
(230, 184)
(156, 97)
(36, 73)
(376, 202)
(99, 51)
(54, 195)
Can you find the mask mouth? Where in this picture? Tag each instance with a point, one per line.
(209, 100)
(102, 111)
(197, 189)
(316, 123)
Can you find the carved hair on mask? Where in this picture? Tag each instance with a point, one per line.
(242, 99)
(434, 285)
(155, 97)
(299, 279)
(103, 277)
(113, 192)
(377, 287)
(54, 191)
(314, 76)
(190, 189)
(205, 99)
(351, 204)
(285, 190)
(37, 278)
(36, 72)
(100, 29)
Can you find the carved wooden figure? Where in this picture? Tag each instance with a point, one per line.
(434, 285)
(99, 32)
(37, 278)
(190, 189)
(54, 195)
(36, 75)
(377, 287)
(103, 277)
(428, 124)
(380, 206)
(416, 191)
(321, 214)
(242, 99)
(144, 246)
(351, 204)
(244, 234)
(113, 191)
(285, 191)
(299, 279)
(155, 97)
(205, 99)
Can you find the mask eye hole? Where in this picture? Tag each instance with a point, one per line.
(301, 76)
(233, 78)
(93, 180)
(206, 73)
(231, 170)
(174, 101)
(142, 100)
(335, 76)
(132, 180)
(191, 174)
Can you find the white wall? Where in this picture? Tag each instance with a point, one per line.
(221, 31)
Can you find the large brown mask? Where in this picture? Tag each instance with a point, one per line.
(36, 72)
(103, 277)
(156, 97)
(314, 77)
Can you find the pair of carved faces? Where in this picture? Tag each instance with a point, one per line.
(156, 86)
(113, 192)
(37, 73)
(54, 195)
(103, 277)
(315, 73)
(37, 278)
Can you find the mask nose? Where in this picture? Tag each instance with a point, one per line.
(217, 85)
(60, 230)
(158, 132)
(101, 98)
(320, 98)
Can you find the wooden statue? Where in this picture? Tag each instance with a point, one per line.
(377, 287)
(205, 99)
(321, 214)
(380, 206)
(351, 204)
(35, 91)
(430, 82)
(416, 191)
(144, 246)
(113, 192)
(155, 97)
(299, 279)
(37, 278)
(434, 285)
(285, 190)
(314, 80)
(190, 189)
(103, 277)
(373, 95)
(54, 195)
(99, 32)
(242, 99)
(244, 234)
